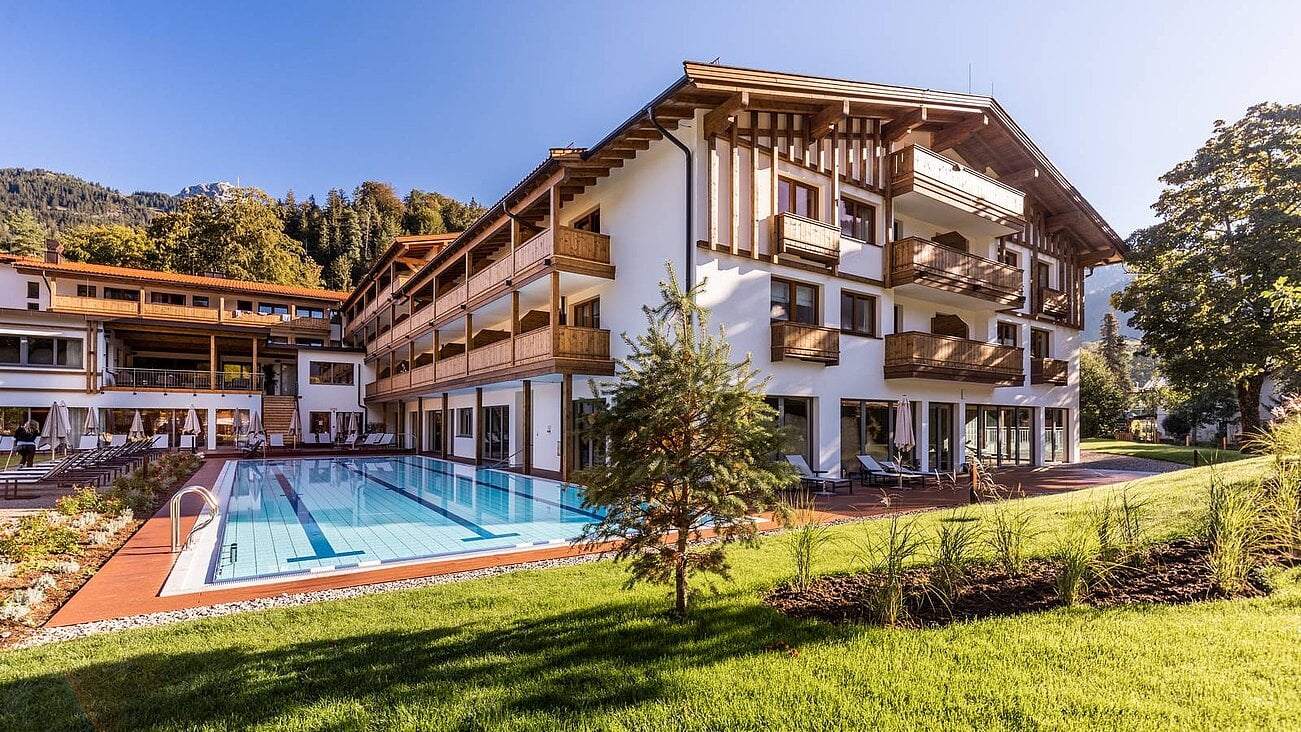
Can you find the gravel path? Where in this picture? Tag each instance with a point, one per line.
(1103, 461)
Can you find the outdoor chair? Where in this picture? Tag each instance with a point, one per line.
(88, 442)
(255, 444)
(811, 477)
(161, 442)
(117, 440)
(187, 442)
(276, 440)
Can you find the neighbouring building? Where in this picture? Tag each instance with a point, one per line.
(862, 241)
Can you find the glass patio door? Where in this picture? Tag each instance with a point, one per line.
(496, 433)
(940, 433)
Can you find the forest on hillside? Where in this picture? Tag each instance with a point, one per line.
(241, 233)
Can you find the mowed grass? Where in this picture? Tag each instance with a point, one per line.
(570, 648)
(1169, 453)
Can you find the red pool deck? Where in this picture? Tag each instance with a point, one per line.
(130, 582)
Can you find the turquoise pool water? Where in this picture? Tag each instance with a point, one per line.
(297, 516)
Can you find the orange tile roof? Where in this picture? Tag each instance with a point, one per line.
(173, 278)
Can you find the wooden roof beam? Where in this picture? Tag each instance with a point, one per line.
(724, 115)
(954, 135)
(903, 124)
(1058, 222)
(1020, 178)
(826, 120)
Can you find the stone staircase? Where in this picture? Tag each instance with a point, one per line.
(277, 413)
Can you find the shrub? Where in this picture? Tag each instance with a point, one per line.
(16, 612)
(36, 536)
(1009, 533)
(805, 538)
(887, 558)
(99, 538)
(64, 567)
(1233, 533)
(144, 490)
(1077, 563)
(85, 521)
(30, 597)
(953, 552)
(45, 582)
(86, 500)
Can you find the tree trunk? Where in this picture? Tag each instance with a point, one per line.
(1248, 391)
(680, 570)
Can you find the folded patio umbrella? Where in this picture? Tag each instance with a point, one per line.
(137, 431)
(903, 430)
(334, 423)
(192, 424)
(54, 432)
(91, 425)
(255, 423)
(294, 428)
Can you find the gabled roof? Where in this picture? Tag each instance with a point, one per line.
(421, 246)
(219, 284)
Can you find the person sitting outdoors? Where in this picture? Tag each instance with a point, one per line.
(25, 442)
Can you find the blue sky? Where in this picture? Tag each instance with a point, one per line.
(465, 98)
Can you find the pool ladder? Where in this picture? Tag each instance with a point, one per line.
(175, 511)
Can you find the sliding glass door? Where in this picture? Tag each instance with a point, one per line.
(794, 416)
(496, 434)
(940, 434)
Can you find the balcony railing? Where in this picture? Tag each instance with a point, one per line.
(928, 356)
(807, 239)
(450, 302)
(921, 261)
(932, 177)
(1053, 303)
(180, 380)
(567, 343)
(188, 313)
(1048, 371)
(805, 342)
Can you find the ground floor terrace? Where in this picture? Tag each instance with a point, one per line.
(142, 577)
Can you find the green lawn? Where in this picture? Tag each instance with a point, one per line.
(1169, 453)
(569, 648)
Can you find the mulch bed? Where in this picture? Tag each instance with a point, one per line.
(1168, 574)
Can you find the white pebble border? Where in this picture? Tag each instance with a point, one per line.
(43, 636)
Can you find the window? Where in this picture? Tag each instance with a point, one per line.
(1054, 443)
(857, 220)
(794, 414)
(33, 290)
(465, 422)
(896, 230)
(1040, 343)
(200, 301)
(67, 352)
(496, 433)
(306, 312)
(86, 291)
(1043, 274)
(858, 313)
(40, 351)
(798, 198)
(309, 342)
(272, 308)
(794, 301)
(591, 222)
(329, 372)
(1009, 334)
(119, 293)
(588, 314)
(166, 298)
(1009, 256)
(947, 324)
(11, 349)
(53, 352)
(898, 319)
(246, 305)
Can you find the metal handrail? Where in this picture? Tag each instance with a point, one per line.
(504, 462)
(174, 508)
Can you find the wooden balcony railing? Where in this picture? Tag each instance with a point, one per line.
(917, 170)
(452, 367)
(491, 357)
(1053, 303)
(563, 241)
(923, 262)
(915, 355)
(806, 238)
(805, 342)
(1048, 371)
(492, 276)
(187, 313)
(127, 379)
(450, 302)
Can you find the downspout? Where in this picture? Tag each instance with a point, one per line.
(689, 274)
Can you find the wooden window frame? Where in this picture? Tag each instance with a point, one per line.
(998, 335)
(870, 219)
(817, 300)
(1005, 254)
(874, 328)
(584, 222)
(1048, 342)
(587, 304)
(815, 208)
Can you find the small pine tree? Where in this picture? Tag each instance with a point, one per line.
(690, 445)
(1113, 349)
(22, 234)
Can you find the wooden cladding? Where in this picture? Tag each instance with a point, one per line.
(915, 169)
(1048, 371)
(915, 355)
(184, 313)
(589, 347)
(807, 239)
(578, 249)
(1053, 303)
(917, 260)
(805, 342)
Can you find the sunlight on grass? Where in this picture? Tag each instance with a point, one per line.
(1169, 453)
(570, 648)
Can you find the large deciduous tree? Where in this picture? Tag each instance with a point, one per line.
(1205, 292)
(22, 234)
(115, 244)
(690, 445)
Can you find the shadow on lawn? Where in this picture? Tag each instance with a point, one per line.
(585, 663)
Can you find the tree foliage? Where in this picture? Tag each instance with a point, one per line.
(115, 244)
(1206, 291)
(1113, 347)
(1104, 398)
(690, 445)
(22, 234)
(1214, 404)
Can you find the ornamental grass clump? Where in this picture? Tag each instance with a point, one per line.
(1233, 533)
(1007, 536)
(1079, 566)
(7, 569)
(1120, 524)
(887, 558)
(806, 536)
(952, 553)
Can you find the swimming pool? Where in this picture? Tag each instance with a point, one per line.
(288, 517)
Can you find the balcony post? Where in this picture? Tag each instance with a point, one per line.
(514, 322)
(478, 425)
(566, 417)
(555, 311)
(527, 437)
(253, 378)
(212, 361)
(140, 304)
(469, 339)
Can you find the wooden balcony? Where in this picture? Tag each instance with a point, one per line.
(932, 188)
(452, 367)
(584, 252)
(806, 238)
(183, 313)
(1048, 371)
(923, 262)
(132, 379)
(803, 342)
(451, 302)
(494, 277)
(915, 355)
(1053, 303)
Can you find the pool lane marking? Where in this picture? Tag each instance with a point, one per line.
(481, 534)
(521, 494)
(320, 545)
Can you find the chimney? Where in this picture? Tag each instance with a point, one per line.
(53, 251)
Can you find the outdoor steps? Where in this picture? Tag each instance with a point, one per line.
(277, 413)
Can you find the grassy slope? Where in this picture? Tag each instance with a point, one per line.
(569, 648)
(1170, 453)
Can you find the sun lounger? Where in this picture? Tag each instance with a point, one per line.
(161, 442)
(874, 472)
(187, 442)
(117, 440)
(308, 439)
(276, 440)
(88, 442)
(256, 444)
(811, 477)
